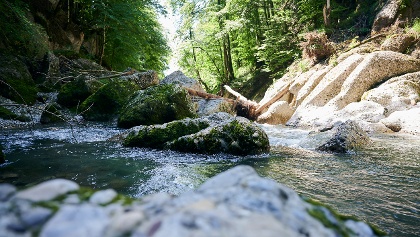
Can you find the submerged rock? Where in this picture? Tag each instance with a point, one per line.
(237, 202)
(346, 136)
(220, 132)
(157, 105)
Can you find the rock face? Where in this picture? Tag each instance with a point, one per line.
(106, 102)
(157, 105)
(398, 43)
(217, 133)
(347, 136)
(235, 203)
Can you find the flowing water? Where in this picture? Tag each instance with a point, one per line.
(380, 184)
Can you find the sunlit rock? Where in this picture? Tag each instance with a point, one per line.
(404, 121)
(217, 133)
(278, 113)
(180, 79)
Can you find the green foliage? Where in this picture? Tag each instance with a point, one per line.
(127, 31)
(18, 34)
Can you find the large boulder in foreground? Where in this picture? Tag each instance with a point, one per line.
(157, 105)
(237, 202)
(217, 133)
(346, 136)
(106, 102)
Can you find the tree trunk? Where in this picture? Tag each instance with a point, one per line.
(327, 13)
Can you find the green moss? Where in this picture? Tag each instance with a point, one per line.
(7, 114)
(157, 137)
(73, 93)
(157, 105)
(15, 80)
(333, 220)
(108, 100)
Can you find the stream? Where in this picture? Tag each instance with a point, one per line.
(379, 185)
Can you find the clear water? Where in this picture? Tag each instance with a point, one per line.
(380, 184)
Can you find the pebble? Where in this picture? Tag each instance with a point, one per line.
(48, 190)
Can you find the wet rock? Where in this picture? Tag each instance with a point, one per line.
(157, 105)
(216, 133)
(179, 78)
(404, 121)
(107, 101)
(48, 190)
(346, 136)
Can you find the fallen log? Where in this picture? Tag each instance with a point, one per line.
(267, 104)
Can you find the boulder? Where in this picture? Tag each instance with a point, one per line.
(346, 136)
(331, 83)
(399, 95)
(143, 79)
(278, 113)
(211, 106)
(312, 82)
(217, 133)
(387, 16)
(75, 92)
(398, 43)
(157, 105)
(179, 78)
(107, 102)
(51, 114)
(367, 111)
(404, 121)
(237, 202)
(375, 68)
(16, 82)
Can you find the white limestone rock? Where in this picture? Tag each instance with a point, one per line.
(278, 113)
(48, 190)
(404, 121)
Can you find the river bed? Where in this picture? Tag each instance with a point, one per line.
(380, 184)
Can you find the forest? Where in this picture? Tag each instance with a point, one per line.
(242, 43)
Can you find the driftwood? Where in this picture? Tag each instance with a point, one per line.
(243, 106)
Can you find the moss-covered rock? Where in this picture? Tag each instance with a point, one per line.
(217, 133)
(7, 114)
(157, 105)
(106, 102)
(15, 80)
(77, 91)
(51, 114)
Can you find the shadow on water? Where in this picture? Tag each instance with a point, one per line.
(379, 185)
